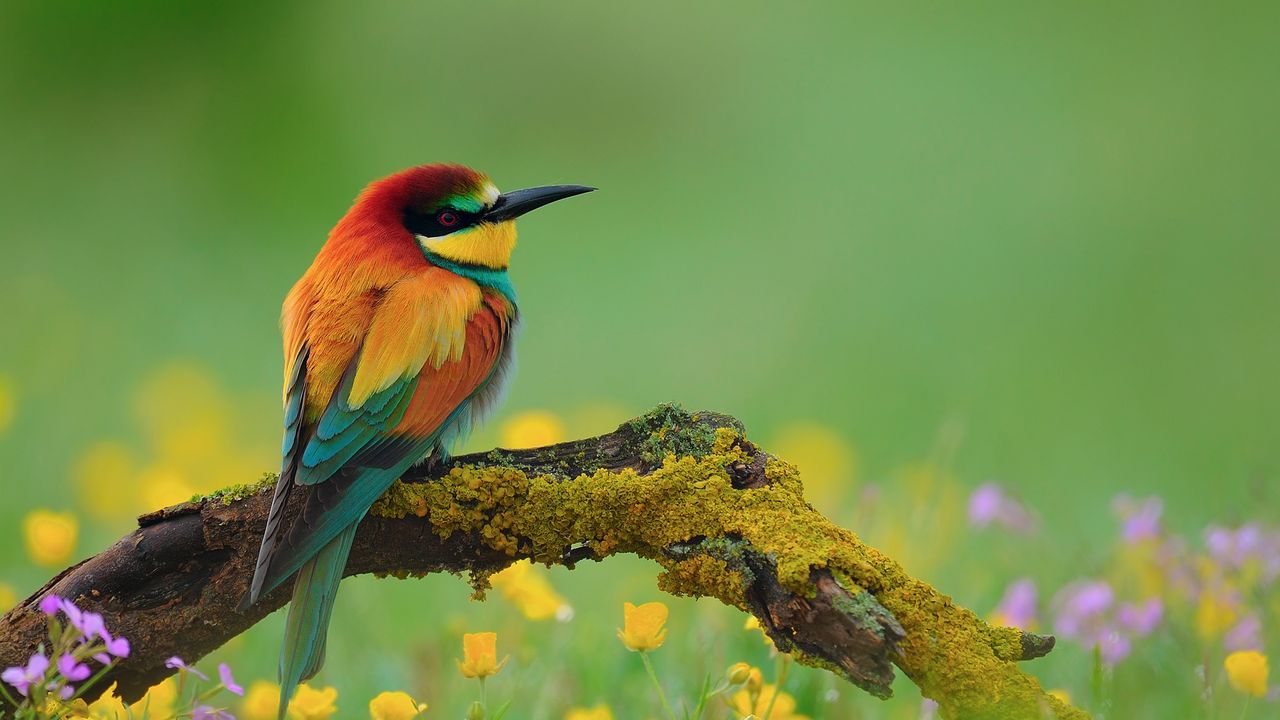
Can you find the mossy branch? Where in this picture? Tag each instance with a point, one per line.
(721, 517)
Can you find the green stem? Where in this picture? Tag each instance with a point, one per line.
(484, 703)
(88, 684)
(7, 696)
(208, 694)
(784, 662)
(702, 703)
(648, 666)
(1245, 711)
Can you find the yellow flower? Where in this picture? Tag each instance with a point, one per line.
(309, 703)
(57, 708)
(7, 597)
(184, 413)
(938, 503)
(8, 405)
(480, 655)
(642, 626)
(1247, 672)
(106, 707)
(753, 623)
(104, 476)
(530, 591)
(51, 536)
(827, 463)
(530, 429)
(261, 701)
(162, 486)
(783, 709)
(599, 712)
(1140, 561)
(158, 702)
(395, 706)
(1215, 614)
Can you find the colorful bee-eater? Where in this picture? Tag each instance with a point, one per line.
(397, 339)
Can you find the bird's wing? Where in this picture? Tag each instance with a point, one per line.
(432, 342)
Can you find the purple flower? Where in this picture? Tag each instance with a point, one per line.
(928, 709)
(1114, 647)
(1174, 558)
(1249, 539)
(1245, 635)
(228, 682)
(206, 712)
(92, 625)
(1083, 611)
(23, 678)
(1219, 540)
(990, 505)
(1018, 606)
(1092, 598)
(1140, 619)
(72, 669)
(176, 663)
(1247, 545)
(50, 604)
(984, 505)
(1080, 607)
(115, 646)
(118, 647)
(1087, 612)
(1141, 518)
(74, 616)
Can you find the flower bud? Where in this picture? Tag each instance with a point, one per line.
(755, 681)
(476, 712)
(738, 673)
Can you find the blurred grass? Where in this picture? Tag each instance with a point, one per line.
(1045, 234)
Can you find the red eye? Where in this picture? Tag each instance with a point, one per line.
(447, 219)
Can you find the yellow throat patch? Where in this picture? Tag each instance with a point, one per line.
(485, 244)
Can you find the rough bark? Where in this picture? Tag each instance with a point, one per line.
(723, 519)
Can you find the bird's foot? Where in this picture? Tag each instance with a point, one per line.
(436, 463)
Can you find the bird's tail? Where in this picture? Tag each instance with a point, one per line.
(314, 589)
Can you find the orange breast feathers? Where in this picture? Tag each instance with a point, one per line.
(429, 323)
(441, 389)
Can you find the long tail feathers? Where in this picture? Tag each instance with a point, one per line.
(314, 589)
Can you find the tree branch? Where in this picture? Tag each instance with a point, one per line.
(722, 518)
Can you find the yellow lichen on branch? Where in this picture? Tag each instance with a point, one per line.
(950, 653)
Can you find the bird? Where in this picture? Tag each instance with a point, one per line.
(398, 339)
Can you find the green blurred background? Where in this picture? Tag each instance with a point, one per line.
(1038, 240)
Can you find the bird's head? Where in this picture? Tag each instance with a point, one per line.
(455, 213)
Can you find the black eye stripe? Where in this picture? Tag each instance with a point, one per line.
(428, 224)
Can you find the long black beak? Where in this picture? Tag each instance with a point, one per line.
(514, 204)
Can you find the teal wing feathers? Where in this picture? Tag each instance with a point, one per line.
(328, 464)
